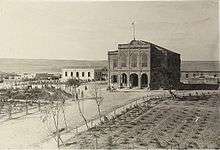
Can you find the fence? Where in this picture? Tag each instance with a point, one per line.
(117, 111)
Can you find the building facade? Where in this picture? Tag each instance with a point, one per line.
(200, 77)
(200, 72)
(78, 73)
(143, 65)
(84, 73)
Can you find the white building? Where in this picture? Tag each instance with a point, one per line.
(78, 73)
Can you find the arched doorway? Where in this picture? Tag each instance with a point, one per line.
(134, 80)
(144, 80)
(124, 79)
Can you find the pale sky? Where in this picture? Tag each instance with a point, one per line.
(87, 30)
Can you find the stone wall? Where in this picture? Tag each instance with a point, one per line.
(165, 68)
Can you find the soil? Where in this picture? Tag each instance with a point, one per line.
(157, 123)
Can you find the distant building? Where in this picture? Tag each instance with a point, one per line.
(142, 64)
(85, 73)
(200, 72)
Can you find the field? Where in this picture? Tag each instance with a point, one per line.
(157, 123)
(28, 131)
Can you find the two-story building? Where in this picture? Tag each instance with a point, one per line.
(143, 64)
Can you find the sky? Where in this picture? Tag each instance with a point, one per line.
(87, 30)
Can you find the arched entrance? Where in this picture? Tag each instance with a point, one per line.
(124, 79)
(134, 80)
(144, 80)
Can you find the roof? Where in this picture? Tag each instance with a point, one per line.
(200, 66)
(138, 42)
(143, 44)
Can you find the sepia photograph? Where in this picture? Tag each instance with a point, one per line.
(106, 74)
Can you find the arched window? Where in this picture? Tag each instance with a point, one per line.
(77, 74)
(123, 60)
(134, 60)
(71, 74)
(88, 74)
(144, 60)
(66, 74)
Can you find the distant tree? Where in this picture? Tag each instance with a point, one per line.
(2, 103)
(73, 84)
(9, 102)
(28, 97)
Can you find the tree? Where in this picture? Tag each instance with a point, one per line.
(96, 93)
(53, 111)
(10, 110)
(8, 96)
(27, 97)
(2, 103)
(76, 83)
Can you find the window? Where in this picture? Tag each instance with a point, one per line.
(187, 75)
(77, 74)
(88, 74)
(194, 75)
(123, 60)
(83, 74)
(71, 74)
(144, 60)
(134, 60)
(65, 74)
(114, 79)
(215, 75)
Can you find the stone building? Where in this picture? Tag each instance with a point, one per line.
(143, 65)
(200, 72)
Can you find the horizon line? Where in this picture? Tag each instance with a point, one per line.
(63, 59)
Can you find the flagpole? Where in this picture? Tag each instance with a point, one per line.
(133, 25)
